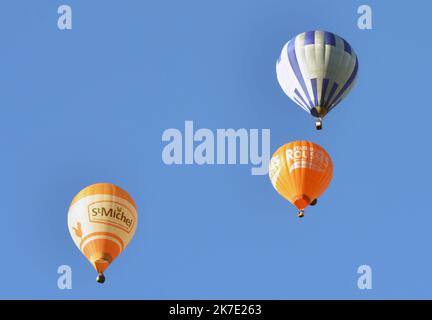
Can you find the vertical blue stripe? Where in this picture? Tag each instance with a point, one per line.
(347, 47)
(292, 57)
(332, 92)
(324, 90)
(300, 97)
(347, 84)
(309, 38)
(329, 38)
(315, 90)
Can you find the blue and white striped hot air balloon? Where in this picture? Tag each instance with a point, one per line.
(317, 69)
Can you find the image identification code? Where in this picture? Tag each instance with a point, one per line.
(216, 310)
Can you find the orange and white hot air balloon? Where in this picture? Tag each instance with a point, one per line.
(102, 220)
(301, 171)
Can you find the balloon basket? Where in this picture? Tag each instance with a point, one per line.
(100, 278)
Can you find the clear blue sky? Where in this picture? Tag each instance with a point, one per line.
(90, 105)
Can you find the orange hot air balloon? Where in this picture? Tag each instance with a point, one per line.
(301, 171)
(102, 219)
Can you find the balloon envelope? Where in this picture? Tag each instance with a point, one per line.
(102, 220)
(300, 171)
(317, 69)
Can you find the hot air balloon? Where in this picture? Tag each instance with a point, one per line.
(317, 69)
(102, 219)
(301, 171)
